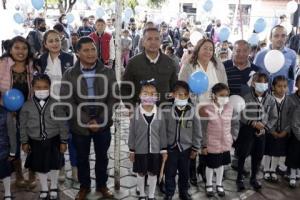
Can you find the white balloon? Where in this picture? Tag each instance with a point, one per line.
(237, 102)
(274, 61)
(195, 37)
(291, 7)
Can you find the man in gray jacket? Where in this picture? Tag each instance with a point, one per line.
(90, 96)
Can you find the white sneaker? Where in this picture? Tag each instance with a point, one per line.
(74, 174)
(62, 175)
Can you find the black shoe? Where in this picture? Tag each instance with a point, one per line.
(240, 185)
(280, 172)
(255, 184)
(244, 172)
(209, 193)
(142, 198)
(185, 196)
(194, 181)
(137, 192)
(162, 188)
(168, 197)
(220, 191)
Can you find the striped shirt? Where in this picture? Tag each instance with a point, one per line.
(238, 79)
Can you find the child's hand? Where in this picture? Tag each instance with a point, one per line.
(63, 148)
(131, 157)
(204, 151)
(164, 156)
(193, 154)
(26, 148)
(282, 134)
(203, 112)
(93, 126)
(259, 126)
(275, 134)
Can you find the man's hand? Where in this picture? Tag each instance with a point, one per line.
(193, 154)
(131, 156)
(275, 134)
(164, 156)
(93, 126)
(63, 148)
(282, 134)
(26, 148)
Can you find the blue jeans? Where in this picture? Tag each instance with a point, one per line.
(177, 161)
(101, 145)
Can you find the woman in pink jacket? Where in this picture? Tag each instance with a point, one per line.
(219, 128)
(16, 70)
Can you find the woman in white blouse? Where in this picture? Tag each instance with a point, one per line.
(203, 59)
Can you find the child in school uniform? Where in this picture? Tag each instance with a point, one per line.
(7, 150)
(276, 142)
(147, 139)
(293, 152)
(43, 135)
(184, 140)
(220, 125)
(257, 119)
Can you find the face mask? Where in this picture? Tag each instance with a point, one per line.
(222, 100)
(42, 29)
(148, 100)
(64, 21)
(261, 87)
(180, 102)
(41, 94)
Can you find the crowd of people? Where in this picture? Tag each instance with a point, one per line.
(68, 81)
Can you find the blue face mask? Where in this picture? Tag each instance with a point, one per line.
(181, 102)
(261, 87)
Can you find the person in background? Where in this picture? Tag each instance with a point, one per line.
(35, 37)
(74, 40)
(182, 46)
(68, 29)
(126, 45)
(92, 21)
(85, 29)
(171, 53)
(65, 45)
(135, 37)
(164, 35)
(278, 37)
(104, 43)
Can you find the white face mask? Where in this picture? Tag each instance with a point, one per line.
(181, 102)
(222, 100)
(41, 94)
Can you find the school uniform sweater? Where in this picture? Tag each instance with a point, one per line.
(263, 111)
(220, 128)
(147, 137)
(38, 123)
(183, 128)
(296, 123)
(285, 114)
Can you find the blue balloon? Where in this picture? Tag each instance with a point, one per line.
(260, 25)
(18, 18)
(13, 100)
(208, 5)
(253, 40)
(100, 12)
(224, 34)
(70, 18)
(38, 4)
(198, 82)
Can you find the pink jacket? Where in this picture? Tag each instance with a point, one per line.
(218, 131)
(6, 74)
